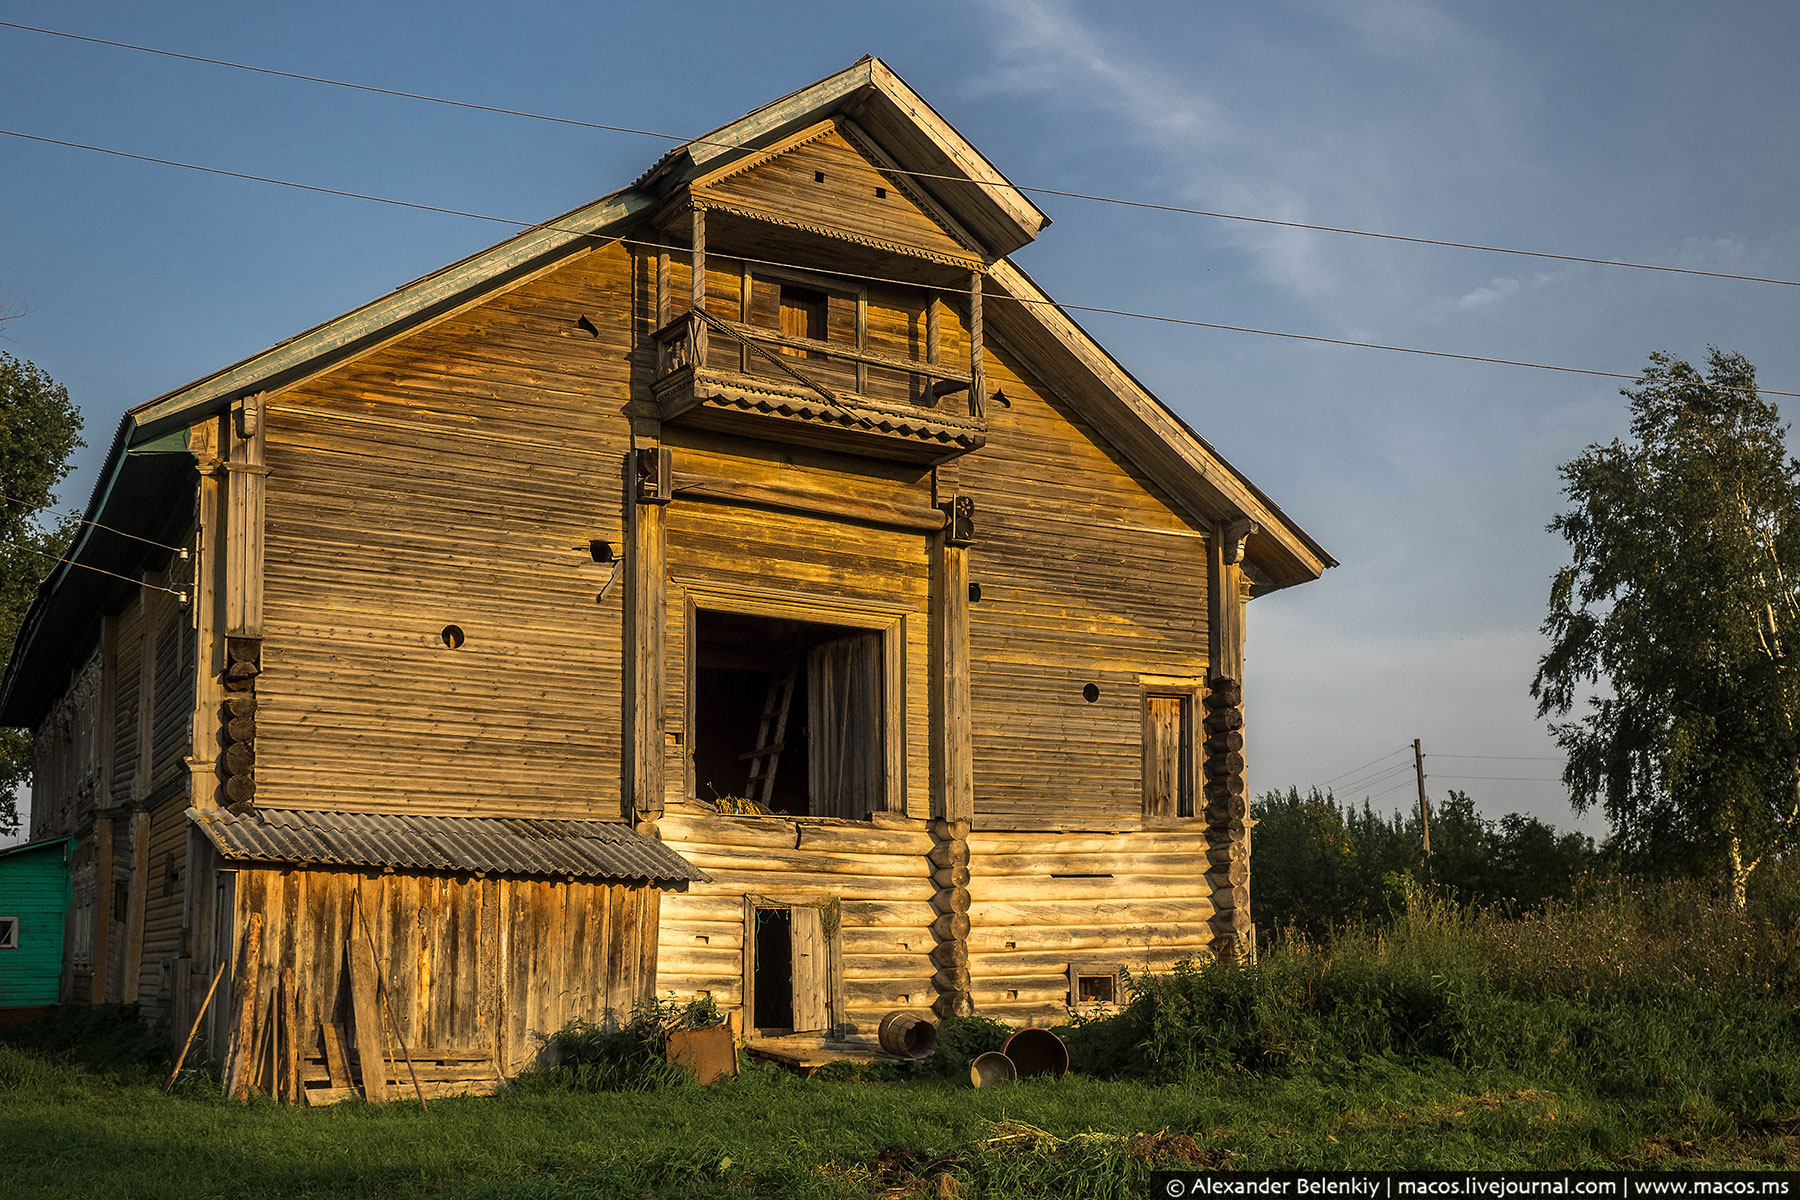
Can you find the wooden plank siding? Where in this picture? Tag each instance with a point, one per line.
(878, 873)
(451, 983)
(454, 478)
(1041, 899)
(1088, 574)
(164, 944)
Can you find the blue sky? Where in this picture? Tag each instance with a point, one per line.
(1656, 132)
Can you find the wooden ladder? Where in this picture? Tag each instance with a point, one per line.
(771, 736)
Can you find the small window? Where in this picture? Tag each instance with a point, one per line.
(1093, 984)
(9, 933)
(1095, 989)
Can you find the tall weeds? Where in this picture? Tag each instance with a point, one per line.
(1624, 991)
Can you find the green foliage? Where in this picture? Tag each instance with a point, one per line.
(1670, 627)
(39, 429)
(1319, 867)
(961, 1040)
(585, 1056)
(1624, 992)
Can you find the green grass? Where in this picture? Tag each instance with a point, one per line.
(1633, 1030)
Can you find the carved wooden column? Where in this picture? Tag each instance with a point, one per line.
(1226, 788)
(952, 757)
(246, 478)
(648, 477)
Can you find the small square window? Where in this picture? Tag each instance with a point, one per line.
(1093, 984)
(1096, 989)
(9, 933)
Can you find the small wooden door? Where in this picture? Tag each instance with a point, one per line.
(1168, 757)
(812, 1003)
(847, 745)
(803, 314)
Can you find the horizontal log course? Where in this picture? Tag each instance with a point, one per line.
(727, 905)
(718, 935)
(1076, 939)
(1163, 841)
(914, 939)
(1020, 888)
(1048, 964)
(1187, 861)
(1125, 913)
(908, 969)
(814, 886)
(804, 862)
(905, 840)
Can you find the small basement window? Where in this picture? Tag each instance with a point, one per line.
(788, 715)
(9, 933)
(1092, 984)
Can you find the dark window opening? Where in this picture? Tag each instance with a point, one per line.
(1096, 989)
(9, 933)
(788, 714)
(881, 193)
(773, 972)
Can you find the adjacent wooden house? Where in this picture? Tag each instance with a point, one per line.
(749, 583)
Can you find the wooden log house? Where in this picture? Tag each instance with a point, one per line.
(749, 583)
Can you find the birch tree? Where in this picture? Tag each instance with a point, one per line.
(1672, 629)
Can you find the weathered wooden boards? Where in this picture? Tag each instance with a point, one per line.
(469, 966)
(1041, 900)
(1088, 575)
(878, 873)
(454, 478)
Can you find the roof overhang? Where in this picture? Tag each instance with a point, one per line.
(1145, 430)
(921, 143)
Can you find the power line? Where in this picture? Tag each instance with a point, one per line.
(1509, 778)
(1364, 767)
(182, 596)
(1368, 781)
(1061, 305)
(1505, 757)
(1044, 191)
(179, 550)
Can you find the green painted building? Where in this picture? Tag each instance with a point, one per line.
(34, 904)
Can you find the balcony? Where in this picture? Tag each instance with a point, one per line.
(759, 382)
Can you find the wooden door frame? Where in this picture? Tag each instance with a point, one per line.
(834, 957)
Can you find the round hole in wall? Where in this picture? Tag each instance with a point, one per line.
(452, 636)
(974, 593)
(1090, 692)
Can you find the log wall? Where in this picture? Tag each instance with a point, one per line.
(493, 965)
(877, 872)
(1041, 900)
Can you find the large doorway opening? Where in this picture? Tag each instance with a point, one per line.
(788, 715)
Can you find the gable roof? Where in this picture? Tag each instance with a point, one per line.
(146, 468)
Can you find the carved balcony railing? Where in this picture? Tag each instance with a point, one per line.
(759, 382)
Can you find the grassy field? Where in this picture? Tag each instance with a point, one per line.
(1627, 1032)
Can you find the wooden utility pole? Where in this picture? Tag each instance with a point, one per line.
(1424, 808)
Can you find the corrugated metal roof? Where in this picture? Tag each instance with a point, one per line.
(490, 845)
